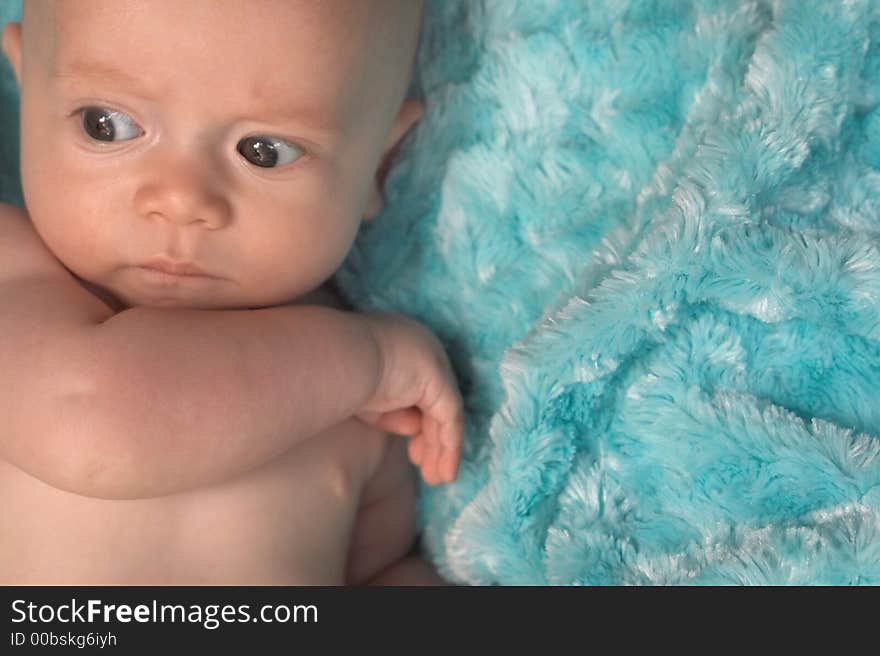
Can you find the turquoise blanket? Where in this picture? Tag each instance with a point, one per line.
(10, 184)
(649, 235)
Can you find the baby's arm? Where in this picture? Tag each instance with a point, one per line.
(233, 389)
(152, 401)
(186, 398)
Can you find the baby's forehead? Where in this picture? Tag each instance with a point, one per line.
(268, 28)
(272, 47)
(342, 21)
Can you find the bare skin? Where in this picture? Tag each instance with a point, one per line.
(259, 528)
(232, 429)
(300, 519)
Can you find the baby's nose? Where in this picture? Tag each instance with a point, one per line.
(183, 198)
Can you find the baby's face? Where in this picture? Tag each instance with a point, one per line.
(243, 137)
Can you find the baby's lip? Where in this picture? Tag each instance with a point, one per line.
(175, 267)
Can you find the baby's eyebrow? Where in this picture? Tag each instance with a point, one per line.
(317, 119)
(103, 72)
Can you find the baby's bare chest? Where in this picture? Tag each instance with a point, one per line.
(287, 522)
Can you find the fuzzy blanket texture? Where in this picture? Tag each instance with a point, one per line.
(10, 185)
(647, 233)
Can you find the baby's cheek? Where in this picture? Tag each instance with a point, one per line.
(280, 270)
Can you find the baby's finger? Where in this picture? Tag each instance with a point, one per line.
(416, 450)
(368, 417)
(456, 437)
(431, 453)
(446, 464)
(447, 412)
(447, 432)
(406, 421)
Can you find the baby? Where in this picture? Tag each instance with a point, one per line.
(180, 401)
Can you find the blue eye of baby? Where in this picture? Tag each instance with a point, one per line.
(109, 125)
(268, 152)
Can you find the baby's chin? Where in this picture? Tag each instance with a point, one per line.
(134, 287)
(180, 303)
(122, 302)
(119, 300)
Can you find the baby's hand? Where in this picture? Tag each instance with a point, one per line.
(417, 395)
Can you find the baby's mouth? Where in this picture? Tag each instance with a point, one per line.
(167, 282)
(167, 266)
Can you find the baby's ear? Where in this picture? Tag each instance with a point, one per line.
(12, 47)
(410, 112)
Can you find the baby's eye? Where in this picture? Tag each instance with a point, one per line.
(269, 152)
(109, 125)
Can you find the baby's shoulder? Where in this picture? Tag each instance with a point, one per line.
(22, 251)
(36, 290)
